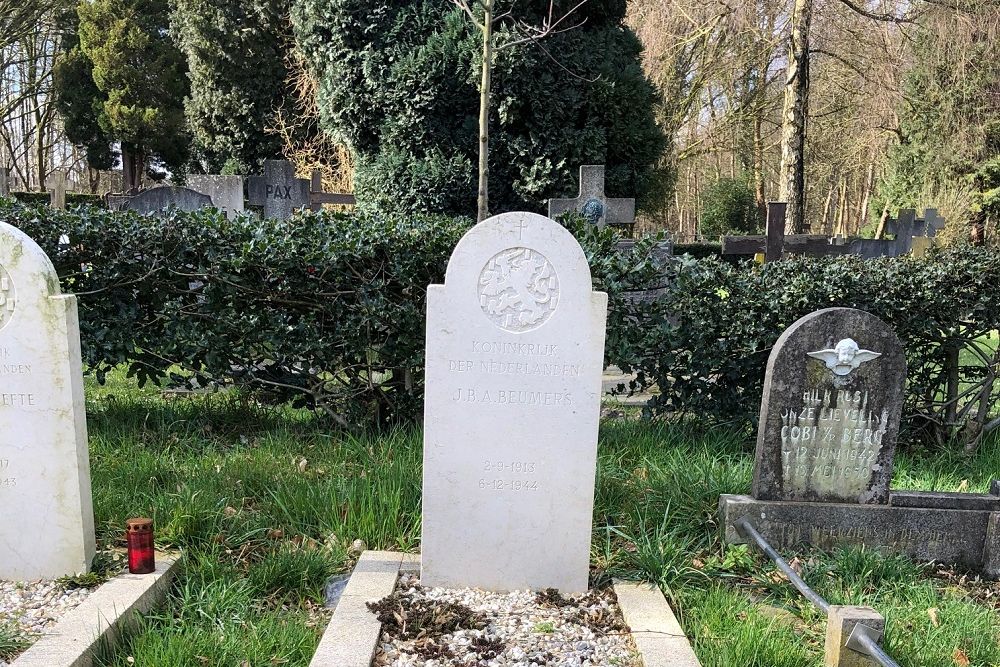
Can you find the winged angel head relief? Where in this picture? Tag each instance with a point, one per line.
(845, 357)
(518, 289)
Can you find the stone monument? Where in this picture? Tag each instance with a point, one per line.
(157, 200)
(47, 523)
(829, 418)
(57, 189)
(226, 192)
(4, 182)
(278, 192)
(829, 421)
(593, 204)
(515, 352)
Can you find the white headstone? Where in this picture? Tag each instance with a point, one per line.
(226, 191)
(47, 519)
(515, 352)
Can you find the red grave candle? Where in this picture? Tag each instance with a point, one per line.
(141, 557)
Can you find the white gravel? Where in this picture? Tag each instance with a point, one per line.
(33, 607)
(518, 629)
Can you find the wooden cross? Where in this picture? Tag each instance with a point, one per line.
(593, 204)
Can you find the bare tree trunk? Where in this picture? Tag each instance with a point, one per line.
(133, 162)
(842, 220)
(793, 119)
(827, 224)
(866, 196)
(758, 167)
(484, 113)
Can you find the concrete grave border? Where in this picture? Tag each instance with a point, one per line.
(351, 638)
(101, 619)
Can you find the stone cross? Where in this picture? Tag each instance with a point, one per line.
(593, 204)
(515, 354)
(57, 189)
(44, 462)
(226, 192)
(829, 417)
(278, 191)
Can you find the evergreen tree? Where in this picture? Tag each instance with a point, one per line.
(399, 84)
(138, 79)
(236, 57)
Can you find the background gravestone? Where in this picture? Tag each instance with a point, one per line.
(157, 200)
(515, 351)
(226, 192)
(4, 182)
(278, 192)
(593, 204)
(829, 417)
(47, 522)
(57, 189)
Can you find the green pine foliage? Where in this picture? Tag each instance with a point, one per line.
(730, 207)
(399, 84)
(236, 55)
(125, 81)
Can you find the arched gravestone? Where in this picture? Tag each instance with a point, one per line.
(47, 520)
(829, 418)
(157, 200)
(515, 351)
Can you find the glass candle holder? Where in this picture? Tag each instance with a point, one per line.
(141, 557)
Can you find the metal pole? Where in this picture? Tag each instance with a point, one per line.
(866, 644)
(744, 528)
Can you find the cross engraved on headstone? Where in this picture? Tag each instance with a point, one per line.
(593, 204)
(57, 189)
(278, 192)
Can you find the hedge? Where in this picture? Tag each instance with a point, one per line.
(327, 310)
(72, 198)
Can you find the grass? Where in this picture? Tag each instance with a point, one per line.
(266, 505)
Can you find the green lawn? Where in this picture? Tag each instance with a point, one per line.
(267, 504)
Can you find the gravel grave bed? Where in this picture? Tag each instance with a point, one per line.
(28, 609)
(439, 627)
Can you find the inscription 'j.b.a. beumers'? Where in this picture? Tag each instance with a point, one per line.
(830, 410)
(515, 343)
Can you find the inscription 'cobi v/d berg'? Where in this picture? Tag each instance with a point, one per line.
(830, 410)
(515, 351)
(8, 298)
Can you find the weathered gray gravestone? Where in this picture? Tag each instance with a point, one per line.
(226, 192)
(4, 182)
(57, 189)
(157, 200)
(47, 520)
(827, 434)
(829, 418)
(278, 192)
(593, 204)
(515, 352)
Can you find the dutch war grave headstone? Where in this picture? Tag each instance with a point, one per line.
(226, 192)
(829, 422)
(44, 461)
(593, 204)
(515, 346)
(278, 192)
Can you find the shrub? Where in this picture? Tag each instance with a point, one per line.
(729, 207)
(327, 310)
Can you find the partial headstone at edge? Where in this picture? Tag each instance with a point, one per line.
(226, 192)
(47, 522)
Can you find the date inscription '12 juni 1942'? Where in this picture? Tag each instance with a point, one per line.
(515, 350)
(830, 411)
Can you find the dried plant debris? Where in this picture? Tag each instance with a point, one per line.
(436, 627)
